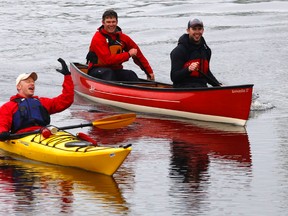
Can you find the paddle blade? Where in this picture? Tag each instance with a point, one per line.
(116, 121)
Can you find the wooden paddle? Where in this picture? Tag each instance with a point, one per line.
(111, 122)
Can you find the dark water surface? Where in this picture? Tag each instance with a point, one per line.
(177, 167)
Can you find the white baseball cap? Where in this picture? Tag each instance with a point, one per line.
(25, 76)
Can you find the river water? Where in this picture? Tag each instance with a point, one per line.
(176, 167)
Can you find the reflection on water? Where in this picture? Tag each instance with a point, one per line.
(194, 154)
(190, 158)
(197, 153)
(25, 186)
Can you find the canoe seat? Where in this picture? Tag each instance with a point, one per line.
(84, 70)
(82, 67)
(77, 144)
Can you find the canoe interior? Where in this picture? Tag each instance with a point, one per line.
(143, 83)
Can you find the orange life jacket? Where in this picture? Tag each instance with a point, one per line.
(115, 47)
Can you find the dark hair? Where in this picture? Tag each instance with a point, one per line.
(109, 14)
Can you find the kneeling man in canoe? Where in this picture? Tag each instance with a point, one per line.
(190, 59)
(26, 112)
(110, 48)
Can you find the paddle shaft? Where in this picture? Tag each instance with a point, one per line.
(20, 135)
(111, 122)
(215, 82)
(76, 126)
(142, 67)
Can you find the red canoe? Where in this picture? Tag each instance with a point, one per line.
(226, 104)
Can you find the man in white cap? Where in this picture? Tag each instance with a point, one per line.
(25, 84)
(190, 59)
(26, 112)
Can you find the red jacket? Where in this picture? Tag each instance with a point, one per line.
(53, 105)
(100, 46)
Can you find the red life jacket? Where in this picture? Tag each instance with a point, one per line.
(203, 66)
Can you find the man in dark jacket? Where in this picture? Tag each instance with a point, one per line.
(190, 59)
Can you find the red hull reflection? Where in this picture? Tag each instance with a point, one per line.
(219, 140)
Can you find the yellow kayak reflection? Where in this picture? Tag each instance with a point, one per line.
(29, 181)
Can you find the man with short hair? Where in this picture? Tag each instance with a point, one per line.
(110, 48)
(26, 112)
(190, 59)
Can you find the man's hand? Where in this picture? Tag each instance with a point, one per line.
(64, 70)
(132, 52)
(194, 66)
(151, 77)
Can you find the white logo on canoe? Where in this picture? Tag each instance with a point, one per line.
(240, 91)
(92, 89)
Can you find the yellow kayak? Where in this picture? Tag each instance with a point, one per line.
(66, 149)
